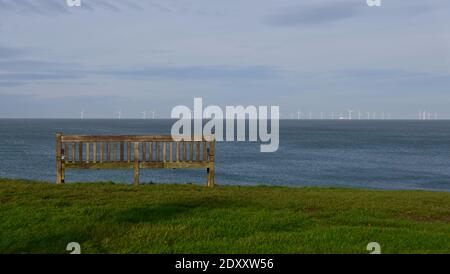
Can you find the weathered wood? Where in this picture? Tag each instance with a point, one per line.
(204, 151)
(211, 164)
(87, 153)
(94, 152)
(157, 151)
(144, 152)
(114, 152)
(182, 158)
(128, 152)
(66, 153)
(80, 152)
(108, 152)
(150, 148)
(58, 159)
(73, 153)
(164, 152)
(136, 164)
(122, 152)
(125, 165)
(197, 151)
(122, 138)
(101, 151)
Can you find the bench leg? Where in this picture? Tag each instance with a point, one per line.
(136, 164)
(210, 174)
(59, 171)
(63, 173)
(136, 176)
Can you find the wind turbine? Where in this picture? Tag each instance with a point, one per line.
(82, 114)
(310, 115)
(119, 114)
(350, 113)
(299, 114)
(359, 114)
(368, 115)
(144, 114)
(321, 115)
(153, 114)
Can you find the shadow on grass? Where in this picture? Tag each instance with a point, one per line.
(167, 211)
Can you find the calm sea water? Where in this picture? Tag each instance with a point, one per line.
(364, 154)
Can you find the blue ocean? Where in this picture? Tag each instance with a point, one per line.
(384, 154)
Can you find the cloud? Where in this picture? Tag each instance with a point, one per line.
(16, 72)
(314, 14)
(7, 52)
(193, 72)
(26, 7)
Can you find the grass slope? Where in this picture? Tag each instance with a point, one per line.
(38, 217)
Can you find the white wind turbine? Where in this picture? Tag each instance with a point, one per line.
(153, 114)
(299, 114)
(368, 115)
(82, 114)
(350, 112)
(119, 114)
(144, 114)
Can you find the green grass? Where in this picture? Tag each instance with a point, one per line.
(38, 217)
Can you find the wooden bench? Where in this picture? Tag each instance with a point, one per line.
(132, 152)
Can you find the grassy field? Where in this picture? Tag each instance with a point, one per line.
(38, 217)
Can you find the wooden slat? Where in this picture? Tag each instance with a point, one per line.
(150, 146)
(125, 165)
(80, 152)
(211, 164)
(73, 153)
(170, 152)
(114, 152)
(101, 152)
(94, 152)
(59, 168)
(122, 152)
(87, 153)
(197, 151)
(144, 152)
(108, 152)
(177, 151)
(191, 151)
(128, 152)
(136, 164)
(157, 151)
(184, 152)
(164, 152)
(204, 152)
(66, 153)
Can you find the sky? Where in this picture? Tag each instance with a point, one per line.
(144, 55)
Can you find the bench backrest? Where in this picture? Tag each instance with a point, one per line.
(131, 151)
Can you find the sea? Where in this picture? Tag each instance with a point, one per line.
(369, 154)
